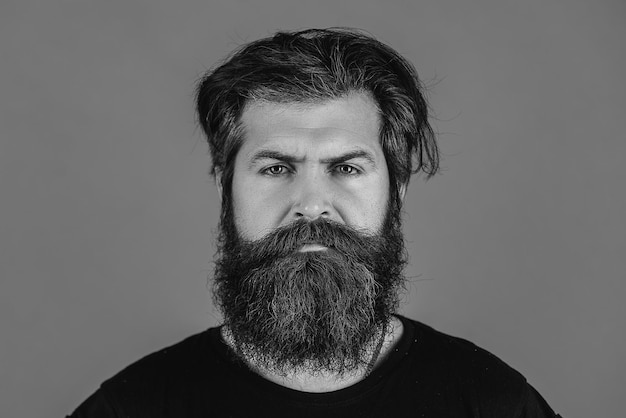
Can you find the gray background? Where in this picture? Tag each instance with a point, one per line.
(108, 215)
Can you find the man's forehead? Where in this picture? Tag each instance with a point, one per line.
(348, 122)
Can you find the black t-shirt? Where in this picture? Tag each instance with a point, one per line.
(427, 374)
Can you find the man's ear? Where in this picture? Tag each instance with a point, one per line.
(218, 183)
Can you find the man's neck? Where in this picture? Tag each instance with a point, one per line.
(325, 381)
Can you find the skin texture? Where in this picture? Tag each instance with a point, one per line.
(310, 161)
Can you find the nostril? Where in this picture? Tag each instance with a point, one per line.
(311, 206)
(311, 216)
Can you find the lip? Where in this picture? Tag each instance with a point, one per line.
(311, 247)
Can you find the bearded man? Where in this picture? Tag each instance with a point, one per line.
(314, 136)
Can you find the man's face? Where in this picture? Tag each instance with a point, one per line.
(310, 161)
(310, 253)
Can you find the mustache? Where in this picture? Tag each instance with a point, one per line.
(289, 239)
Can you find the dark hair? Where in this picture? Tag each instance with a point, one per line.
(311, 66)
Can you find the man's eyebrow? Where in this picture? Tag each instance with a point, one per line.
(281, 156)
(266, 154)
(366, 155)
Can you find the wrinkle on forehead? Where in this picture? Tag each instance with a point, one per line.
(271, 109)
(320, 121)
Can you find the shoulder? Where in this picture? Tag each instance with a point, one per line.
(450, 352)
(462, 370)
(182, 358)
(168, 379)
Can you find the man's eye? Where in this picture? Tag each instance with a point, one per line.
(347, 170)
(275, 170)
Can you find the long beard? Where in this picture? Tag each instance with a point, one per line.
(308, 311)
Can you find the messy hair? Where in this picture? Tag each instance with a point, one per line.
(311, 66)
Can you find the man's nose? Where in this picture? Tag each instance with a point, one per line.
(312, 199)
